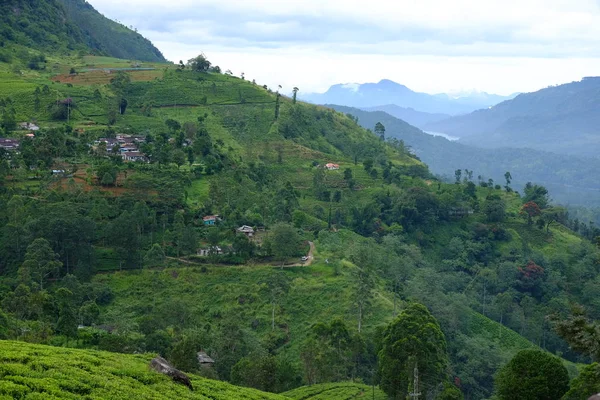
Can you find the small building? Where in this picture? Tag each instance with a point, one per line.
(9, 144)
(211, 220)
(332, 166)
(133, 156)
(246, 230)
(210, 251)
(58, 172)
(28, 126)
(204, 360)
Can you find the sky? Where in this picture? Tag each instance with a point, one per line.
(432, 46)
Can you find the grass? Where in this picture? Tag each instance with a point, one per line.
(30, 371)
(336, 391)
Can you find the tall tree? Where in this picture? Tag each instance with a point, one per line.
(285, 241)
(40, 261)
(295, 91)
(413, 342)
(532, 375)
(380, 130)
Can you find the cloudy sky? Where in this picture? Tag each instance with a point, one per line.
(498, 46)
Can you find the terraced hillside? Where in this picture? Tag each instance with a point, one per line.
(42, 372)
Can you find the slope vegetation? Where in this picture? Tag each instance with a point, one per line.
(64, 26)
(30, 371)
(571, 180)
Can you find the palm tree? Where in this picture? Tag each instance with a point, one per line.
(295, 91)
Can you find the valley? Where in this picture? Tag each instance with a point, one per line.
(267, 247)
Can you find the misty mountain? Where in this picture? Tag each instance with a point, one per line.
(410, 115)
(562, 119)
(572, 180)
(389, 92)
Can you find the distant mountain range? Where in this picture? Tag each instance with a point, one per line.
(410, 115)
(562, 119)
(386, 92)
(571, 180)
(63, 26)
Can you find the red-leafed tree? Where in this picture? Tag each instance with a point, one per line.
(531, 210)
(530, 277)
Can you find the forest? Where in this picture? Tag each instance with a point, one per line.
(121, 223)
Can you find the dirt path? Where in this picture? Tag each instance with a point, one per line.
(182, 260)
(306, 263)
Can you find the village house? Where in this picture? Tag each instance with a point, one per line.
(28, 126)
(133, 156)
(332, 166)
(210, 250)
(9, 144)
(211, 220)
(246, 230)
(204, 360)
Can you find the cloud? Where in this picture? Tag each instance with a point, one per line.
(496, 34)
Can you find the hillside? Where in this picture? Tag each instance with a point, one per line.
(63, 26)
(108, 37)
(388, 92)
(410, 115)
(35, 371)
(167, 210)
(571, 180)
(542, 120)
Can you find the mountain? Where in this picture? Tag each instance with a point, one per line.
(109, 37)
(410, 115)
(572, 180)
(562, 119)
(388, 92)
(69, 25)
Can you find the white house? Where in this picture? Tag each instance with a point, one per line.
(332, 166)
(246, 230)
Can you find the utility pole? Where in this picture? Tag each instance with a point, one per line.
(415, 394)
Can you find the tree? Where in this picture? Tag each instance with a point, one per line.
(278, 284)
(532, 375)
(155, 256)
(295, 91)
(586, 384)
(457, 176)
(536, 194)
(199, 63)
(380, 130)
(173, 125)
(494, 208)
(107, 179)
(67, 321)
(508, 178)
(413, 339)
(40, 261)
(530, 210)
(285, 241)
(256, 372)
(582, 335)
(551, 215)
(348, 178)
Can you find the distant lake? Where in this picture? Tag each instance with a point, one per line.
(451, 138)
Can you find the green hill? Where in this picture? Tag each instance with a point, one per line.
(30, 371)
(88, 238)
(65, 26)
(571, 180)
